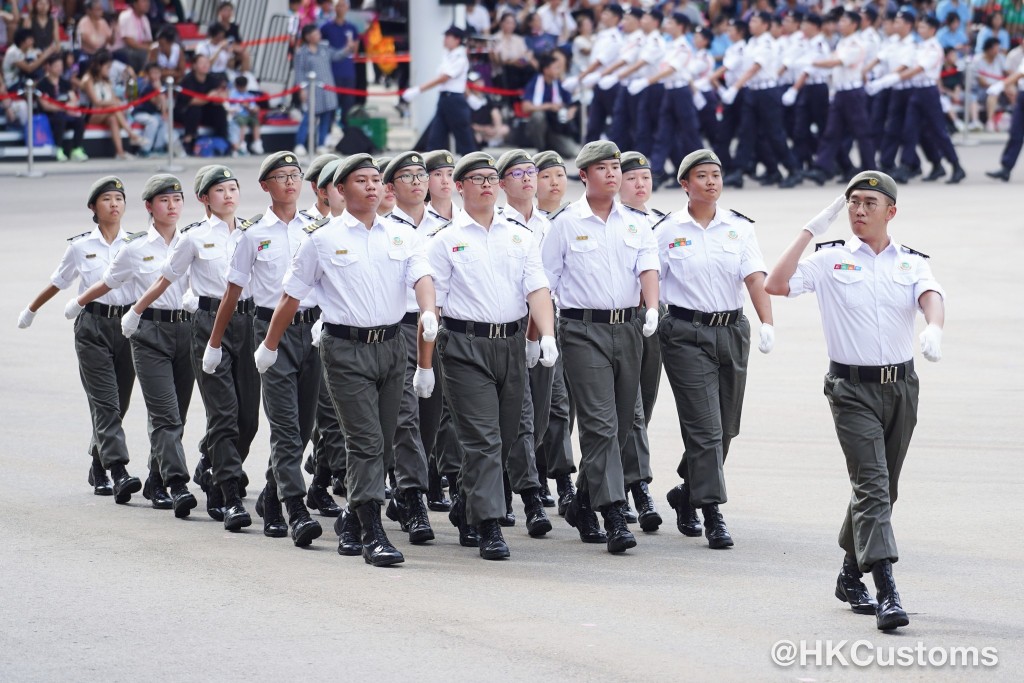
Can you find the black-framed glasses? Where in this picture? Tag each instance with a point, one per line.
(481, 179)
(285, 178)
(407, 178)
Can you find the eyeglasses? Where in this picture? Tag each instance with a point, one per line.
(521, 173)
(291, 177)
(407, 178)
(481, 179)
(869, 205)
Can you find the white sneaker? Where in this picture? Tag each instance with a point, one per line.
(300, 150)
(257, 147)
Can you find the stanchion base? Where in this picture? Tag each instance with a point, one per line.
(35, 173)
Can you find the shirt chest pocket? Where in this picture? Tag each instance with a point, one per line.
(901, 292)
(150, 264)
(681, 262)
(584, 251)
(466, 260)
(852, 287)
(344, 260)
(212, 251)
(89, 263)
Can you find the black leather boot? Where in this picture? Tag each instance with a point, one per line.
(214, 500)
(714, 527)
(647, 514)
(580, 515)
(391, 485)
(889, 613)
(546, 499)
(958, 174)
(309, 464)
(468, 537)
(537, 522)
(304, 529)
(156, 493)
(98, 479)
(338, 484)
(510, 517)
(686, 515)
(236, 517)
(627, 512)
(566, 491)
(203, 475)
(124, 484)
(436, 500)
(417, 521)
(317, 497)
(243, 484)
(377, 549)
(492, 543)
(620, 539)
(269, 508)
(937, 172)
(1002, 174)
(349, 532)
(395, 511)
(182, 499)
(850, 589)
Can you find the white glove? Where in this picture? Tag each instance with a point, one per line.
(317, 331)
(996, 88)
(931, 343)
(608, 82)
(190, 302)
(423, 382)
(411, 94)
(211, 359)
(651, 322)
(532, 352)
(571, 83)
(429, 320)
(72, 310)
(728, 95)
(130, 323)
(591, 79)
(699, 101)
(548, 351)
(767, 338)
(819, 225)
(26, 318)
(879, 84)
(637, 86)
(702, 84)
(789, 97)
(563, 115)
(872, 88)
(264, 358)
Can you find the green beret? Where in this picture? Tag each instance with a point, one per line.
(471, 162)
(598, 150)
(382, 162)
(873, 180)
(199, 177)
(439, 158)
(512, 158)
(317, 165)
(633, 161)
(108, 183)
(278, 160)
(215, 175)
(547, 160)
(403, 160)
(696, 158)
(327, 173)
(161, 183)
(353, 163)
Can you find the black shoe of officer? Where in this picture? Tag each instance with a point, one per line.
(958, 174)
(714, 527)
(913, 172)
(124, 484)
(815, 174)
(850, 589)
(214, 500)
(686, 515)
(937, 172)
(889, 613)
(620, 539)
(98, 479)
(436, 499)
(792, 180)
(243, 483)
(391, 486)
(1002, 174)
(628, 513)
(733, 179)
(304, 529)
(537, 522)
(318, 499)
(338, 484)
(182, 499)
(468, 537)
(582, 517)
(377, 549)
(236, 517)
(156, 493)
(417, 521)
(566, 491)
(647, 514)
(770, 178)
(269, 508)
(492, 543)
(203, 476)
(349, 533)
(900, 174)
(546, 499)
(396, 512)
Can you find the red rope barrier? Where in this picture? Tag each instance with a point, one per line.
(10, 96)
(105, 110)
(494, 91)
(263, 41)
(240, 100)
(358, 93)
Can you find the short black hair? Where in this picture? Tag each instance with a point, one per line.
(216, 29)
(931, 21)
(241, 82)
(21, 35)
(308, 29)
(989, 42)
(544, 60)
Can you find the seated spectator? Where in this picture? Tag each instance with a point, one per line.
(994, 27)
(513, 62)
(56, 88)
(194, 111)
(168, 54)
(550, 108)
(14, 111)
(489, 128)
(952, 34)
(218, 47)
(557, 21)
(94, 31)
(133, 37)
(152, 114)
(537, 40)
(989, 68)
(243, 118)
(478, 18)
(24, 60)
(951, 90)
(98, 89)
(240, 58)
(41, 22)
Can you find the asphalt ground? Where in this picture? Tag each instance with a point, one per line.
(91, 591)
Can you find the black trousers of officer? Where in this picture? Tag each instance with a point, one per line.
(874, 423)
(163, 362)
(107, 372)
(878, 105)
(601, 107)
(892, 136)
(290, 390)
(484, 381)
(732, 115)
(231, 395)
(366, 382)
(762, 121)
(410, 458)
(452, 118)
(648, 108)
(551, 434)
(1013, 145)
(810, 109)
(707, 370)
(925, 121)
(847, 117)
(329, 455)
(708, 118)
(625, 119)
(678, 131)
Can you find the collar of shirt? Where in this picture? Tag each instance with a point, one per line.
(314, 213)
(350, 221)
(456, 210)
(97, 235)
(537, 224)
(683, 217)
(584, 211)
(401, 216)
(854, 244)
(152, 235)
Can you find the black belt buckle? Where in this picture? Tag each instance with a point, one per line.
(497, 330)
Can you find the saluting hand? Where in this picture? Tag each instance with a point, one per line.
(820, 224)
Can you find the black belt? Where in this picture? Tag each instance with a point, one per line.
(160, 315)
(105, 311)
(367, 335)
(717, 319)
(871, 374)
(412, 318)
(243, 307)
(489, 330)
(451, 94)
(308, 316)
(615, 316)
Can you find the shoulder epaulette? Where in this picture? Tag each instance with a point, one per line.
(826, 245)
(317, 224)
(661, 220)
(740, 215)
(439, 229)
(306, 214)
(635, 210)
(75, 237)
(249, 222)
(500, 210)
(191, 225)
(436, 215)
(513, 220)
(558, 213)
(913, 251)
(657, 213)
(399, 219)
(135, 235)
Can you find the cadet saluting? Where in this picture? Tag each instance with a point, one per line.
(869, 290)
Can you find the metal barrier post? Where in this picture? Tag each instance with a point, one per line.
(310, 115)
(969, 63)
(170, 166)
(31, 172)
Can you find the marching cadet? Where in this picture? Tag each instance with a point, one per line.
(648, 102)
(869, 291)
(359, 267)
(160, 335)
(809, 93)
(733, 66)
(321, 207)
(551, 182)
(104, 355)
(601, 262)
(702, 69)
(896, 56)
(229, 385)
(1012, 149)
(619, 73)
(707, 257)
(488, 275)
(607, 45)
(291, 386)
(387, 202)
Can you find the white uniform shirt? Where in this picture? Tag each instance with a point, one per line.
(817, 50)
(591, 263)
(538, 223)
(905, 55)
(86, 259)
(761, 50)
(262, 255)
(734, 61)
(930, 56)
(678, 58)
(651, 52)
(432, 220)
(703, 269)
(702, 65)
(485, 275)
(360, 276)
(794, 48)
(607, 45)
(867, 301)
(204, 251)
(555, 22)
(851, 51)
(631, 48)
(137, 266)
(402, 218)
(455, 65)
